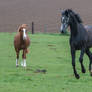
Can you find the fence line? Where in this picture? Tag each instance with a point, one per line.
(45, 28)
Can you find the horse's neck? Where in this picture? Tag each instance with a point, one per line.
(73, 28)
(21, 37)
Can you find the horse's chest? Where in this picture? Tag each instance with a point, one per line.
(22, 46)
(77, 44)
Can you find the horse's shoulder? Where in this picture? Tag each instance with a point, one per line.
(28, 38)
(17, 37)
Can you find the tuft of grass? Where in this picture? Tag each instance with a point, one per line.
(50, 52)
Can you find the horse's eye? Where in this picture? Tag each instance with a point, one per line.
(22, 30)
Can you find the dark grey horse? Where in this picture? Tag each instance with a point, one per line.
(80, 38)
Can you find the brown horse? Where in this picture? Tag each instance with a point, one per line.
(21, 42)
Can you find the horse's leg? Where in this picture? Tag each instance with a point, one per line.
(17, 58)
(73, 63)
(24, 58)
(22, 62)
(81, 61)
(90, 57)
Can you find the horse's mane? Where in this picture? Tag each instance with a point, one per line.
(77, 16)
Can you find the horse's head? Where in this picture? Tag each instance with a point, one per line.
(23, 31)
(67, 18)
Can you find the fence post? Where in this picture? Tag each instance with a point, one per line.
(45, 28)
(32, 27)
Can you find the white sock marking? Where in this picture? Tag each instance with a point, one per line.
(24, 62)
(17, 62)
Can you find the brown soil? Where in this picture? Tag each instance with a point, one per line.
(44, 13)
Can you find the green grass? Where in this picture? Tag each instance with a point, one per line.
(47, 51)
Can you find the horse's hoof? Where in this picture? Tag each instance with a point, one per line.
(77, 76)
(24, 67)
(22, 64)
(83, 71)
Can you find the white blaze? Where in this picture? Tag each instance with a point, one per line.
(24, 34)
(61, 27)
(63, 18)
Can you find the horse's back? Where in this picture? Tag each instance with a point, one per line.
(89, 30)
(89, 33)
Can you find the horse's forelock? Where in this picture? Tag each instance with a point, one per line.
(20, 28)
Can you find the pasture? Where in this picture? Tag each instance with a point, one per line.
(47, 51)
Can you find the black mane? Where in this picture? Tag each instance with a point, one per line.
(77, 16)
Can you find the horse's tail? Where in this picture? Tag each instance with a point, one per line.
(27, 50)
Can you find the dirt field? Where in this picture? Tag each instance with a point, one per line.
(44, 13)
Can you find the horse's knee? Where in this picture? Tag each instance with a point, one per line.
(81, 60)
(91, 58)
(73, 64)
(24, 55)
(17, 55)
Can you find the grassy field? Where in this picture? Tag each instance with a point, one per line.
(47, 51)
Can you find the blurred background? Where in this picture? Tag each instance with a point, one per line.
(44, 13)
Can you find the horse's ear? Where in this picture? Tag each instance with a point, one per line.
(19, 29)
(70, 13)
(69, 10)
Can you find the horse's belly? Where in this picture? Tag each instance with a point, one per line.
(78, 45)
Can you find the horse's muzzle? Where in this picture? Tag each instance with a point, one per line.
(24, 37)
(61, 31)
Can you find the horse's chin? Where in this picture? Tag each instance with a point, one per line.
(62, 31)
